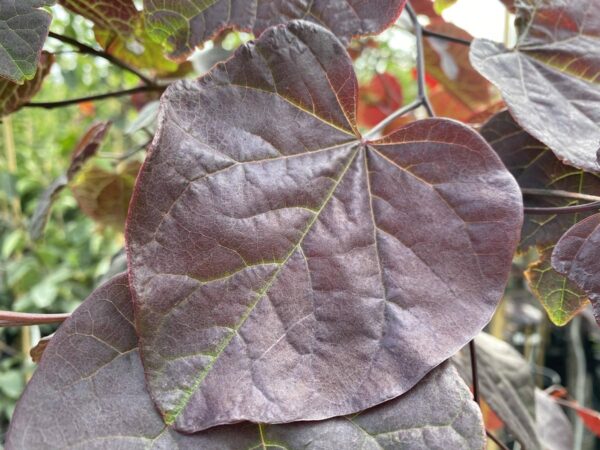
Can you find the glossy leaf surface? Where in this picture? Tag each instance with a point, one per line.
(270, 245)
(506, 384)
(577, 255)
(89, 393)
(182, 25)
(13, 96)
(550, 80)
(535, 166)
(23, 30)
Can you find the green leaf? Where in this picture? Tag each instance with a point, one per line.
(440, 5)
(23, 30)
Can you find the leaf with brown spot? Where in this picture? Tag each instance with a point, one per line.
(551, 79)
(89, 393)
(270, 245)
(13, 96)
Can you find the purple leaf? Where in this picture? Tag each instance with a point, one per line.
(89, 393)
(577, 255)
(184, 25)
(271, 246)
(550, 79)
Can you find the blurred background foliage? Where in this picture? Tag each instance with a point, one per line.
(82, 243)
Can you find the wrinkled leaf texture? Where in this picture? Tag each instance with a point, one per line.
(535, 166)
(551, 79)
(185, 24)
(577, 255)
(270, 246)
(506, 384)
(23, 30)
(89, 393)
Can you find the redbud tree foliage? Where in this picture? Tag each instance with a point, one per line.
(306, 257)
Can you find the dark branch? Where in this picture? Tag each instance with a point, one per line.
(560, 193)
(393, 116)
(474, 373)
(16, 319)
(594, 206)
(91, 98)
(496, 441)
(445, 37)
(83, 48)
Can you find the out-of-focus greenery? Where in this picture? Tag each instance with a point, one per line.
(56, 272)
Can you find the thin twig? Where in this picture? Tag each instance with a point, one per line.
(91, 98)
(560, 193)
(594, 206)
(474, 373)
(17, 319)
(445, 37)
(421, 86)
(393, 116)
(83, 48)
(496, 441)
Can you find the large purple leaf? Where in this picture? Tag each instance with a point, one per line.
(550, 79)
(89, 393)
(577, 255)
(271, 246)
(184, 24)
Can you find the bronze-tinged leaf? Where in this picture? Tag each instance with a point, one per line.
(183, 25)
(104, 194)
(449, 64)
(506, 384)
(561, 298)
(551, 79)
(553, 425)
(38, 350)
(23, 30)
(13, 96)
(89, 393)
(85, 149)
(120, 29)
(535, 167)
(577, 255)
(271, 246)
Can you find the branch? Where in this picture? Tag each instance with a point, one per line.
(445, 37)
(91, 98)
(16, 319)
(474, 374)
(495, 440)
(83, 48)
(393, 116)
(559, 193)
(594, 206)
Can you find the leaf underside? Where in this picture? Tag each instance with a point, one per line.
(535, 166)
(551, 79)
(89, 393)
(577, 256)
(23, 30)
(182, 25)
(270, 246)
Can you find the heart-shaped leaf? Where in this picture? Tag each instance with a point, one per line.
(23, 30)
(550, 80)
(506, 384)
(535, 167)
(577, 255)
(89, 392)
(271, 246)
(13, 96)
(182, 25)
